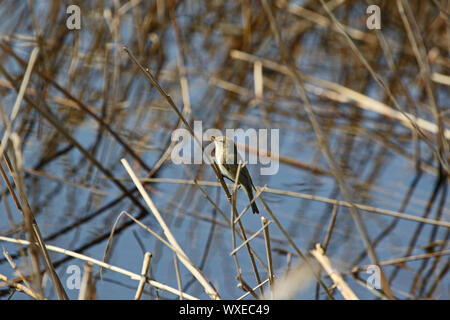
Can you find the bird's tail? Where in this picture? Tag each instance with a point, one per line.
(254, 208)
(250, 196)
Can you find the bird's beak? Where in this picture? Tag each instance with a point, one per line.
(213, 138)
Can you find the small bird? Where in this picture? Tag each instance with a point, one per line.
(228, 160)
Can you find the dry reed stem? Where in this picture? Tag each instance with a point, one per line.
(21, 275)
(258, 80)
(425, 72)
(184, 84)
(342, 203)
(245, 286)
(323, 21)
(233, 220)
(251, 255)
(228, 221)
(168, 98)
(258, 193)
(323, 143)
(299, 253)
(253, 289)
(15, 171)
(235, 250)
(82, 106)
(233, 232)
(20, 95)
(347, 94)
(153, 233)
(4, 142)
(131, 275)
(87, 291)
(55, 122)
(65, 181)
(21, 288)
(283, 159)
(177, 272)
(330, 227)
(334, 275)
(144, 271)
(242, 284)
(212, 201)
(406, 259)
(391, 96)
(183, 258)
(327, 238)
(265, 225)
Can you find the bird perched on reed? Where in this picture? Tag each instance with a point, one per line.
(228, 160)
